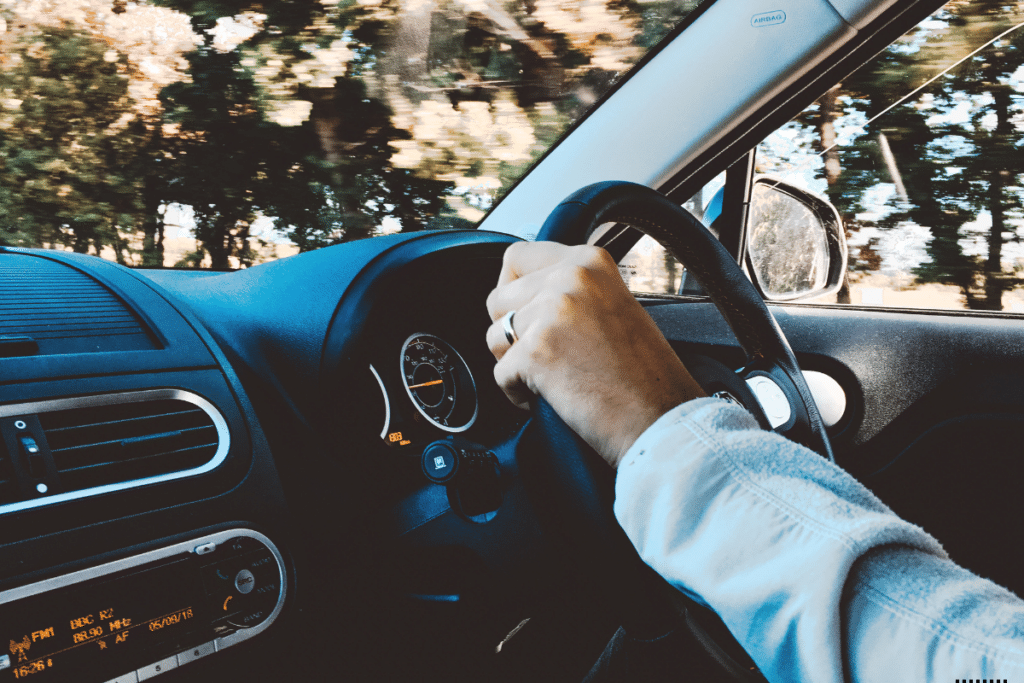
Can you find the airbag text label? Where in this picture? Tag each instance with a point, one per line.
(768, 19)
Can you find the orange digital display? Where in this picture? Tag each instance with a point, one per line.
(100, 631)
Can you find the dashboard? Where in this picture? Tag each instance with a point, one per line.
(199, 467)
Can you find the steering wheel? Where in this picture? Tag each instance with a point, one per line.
(579, 485)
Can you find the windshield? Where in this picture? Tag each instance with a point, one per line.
(220, 134)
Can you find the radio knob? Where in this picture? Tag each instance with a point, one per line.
(244, 581)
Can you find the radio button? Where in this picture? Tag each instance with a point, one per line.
(244, 544)
(157, 668)
(217, 578)
(130, 677)
(245, 582)
(271, 589)
(261, 561)
(195, 653)
(252, 619)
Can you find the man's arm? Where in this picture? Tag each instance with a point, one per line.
(817, 579)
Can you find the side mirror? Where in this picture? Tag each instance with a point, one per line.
(796, 245)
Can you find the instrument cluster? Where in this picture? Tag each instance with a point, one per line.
(428, 392)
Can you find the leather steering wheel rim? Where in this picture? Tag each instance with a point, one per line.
(577, 487)
(755, 328)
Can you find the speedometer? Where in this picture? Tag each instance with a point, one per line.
(439, 382)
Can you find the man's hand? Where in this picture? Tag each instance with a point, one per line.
(585, 345)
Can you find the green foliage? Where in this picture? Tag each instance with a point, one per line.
(296, 123)
(68, 159)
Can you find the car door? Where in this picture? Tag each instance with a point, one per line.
(918, 149)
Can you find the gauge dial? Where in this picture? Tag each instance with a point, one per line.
(439, 383)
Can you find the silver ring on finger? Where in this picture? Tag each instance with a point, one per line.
(506, 325)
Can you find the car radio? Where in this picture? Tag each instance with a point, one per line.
(132, 619)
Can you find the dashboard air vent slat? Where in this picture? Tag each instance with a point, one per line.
(110, 444)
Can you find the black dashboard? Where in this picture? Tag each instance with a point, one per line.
(154, 422)
(233, 468)
(128, 442)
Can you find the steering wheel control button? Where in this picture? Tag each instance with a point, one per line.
(440, 462)
(157, 668)
(829, 396)
(245, 582)
(205, 548)
(772, 399)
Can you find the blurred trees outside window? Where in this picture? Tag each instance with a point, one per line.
(220, 133)
(921, 152)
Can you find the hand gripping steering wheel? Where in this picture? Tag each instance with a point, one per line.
(580, 486)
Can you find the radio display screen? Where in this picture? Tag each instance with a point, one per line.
(100, 629)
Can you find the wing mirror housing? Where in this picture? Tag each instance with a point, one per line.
(796, 244)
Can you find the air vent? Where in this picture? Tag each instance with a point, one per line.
(99, 444)
(116, 443)
(63, 310)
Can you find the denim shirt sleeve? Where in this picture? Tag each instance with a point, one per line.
(813, 575)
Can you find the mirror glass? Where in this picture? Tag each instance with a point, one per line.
(788, 245)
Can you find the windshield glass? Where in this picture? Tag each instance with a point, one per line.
(219, 134)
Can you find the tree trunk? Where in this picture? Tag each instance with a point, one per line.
(219, 244)
(152, 237)
(406, 57)
(994, 282)
(827, 115)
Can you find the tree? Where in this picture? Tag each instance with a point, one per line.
(326, 179)
(978, 166)
(305, 116)
(68, 146)
(223, 158)
(950, 171)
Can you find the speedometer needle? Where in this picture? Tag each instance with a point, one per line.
(427, 384)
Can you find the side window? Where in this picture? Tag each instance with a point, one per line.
(648, 268)
(920, 151)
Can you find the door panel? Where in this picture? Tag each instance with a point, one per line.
(935, 413)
